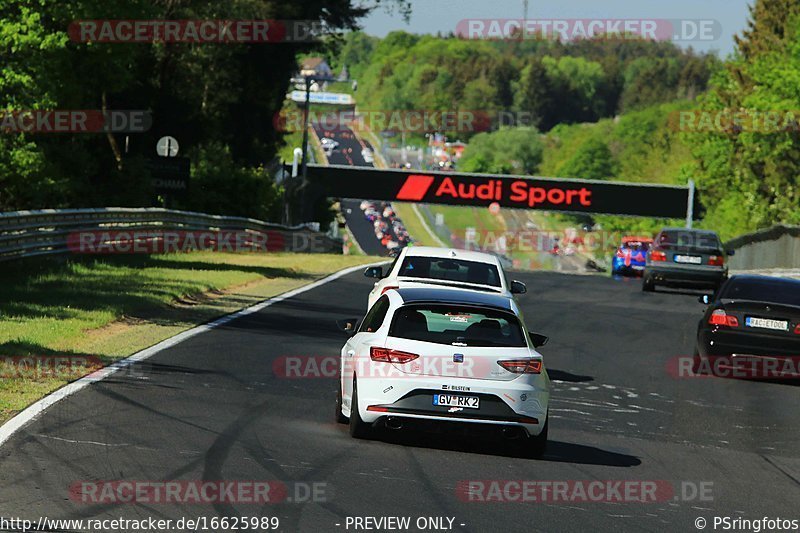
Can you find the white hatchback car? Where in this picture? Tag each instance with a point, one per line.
(428, 355)
(426, 266)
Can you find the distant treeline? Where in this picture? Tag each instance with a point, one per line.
(545, 82)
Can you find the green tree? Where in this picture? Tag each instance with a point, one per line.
(649, 81)
(592, 161)
(769, 28)
(749, 178)
(534, 95)
(505, 151)
(575, 84)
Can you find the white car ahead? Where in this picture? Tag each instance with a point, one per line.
(427, 266)
(431, 355)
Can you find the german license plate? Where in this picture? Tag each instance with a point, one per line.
(690, 259)
(766, 323)
(451, 400)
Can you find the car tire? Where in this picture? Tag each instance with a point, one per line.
(648, 285)
(537, 445)
(358, 428)
(340, 418)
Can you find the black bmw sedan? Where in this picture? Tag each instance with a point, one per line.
(751, 326)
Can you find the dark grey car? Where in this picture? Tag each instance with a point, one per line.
(681, 257)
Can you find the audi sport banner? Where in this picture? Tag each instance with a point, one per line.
(523, 192)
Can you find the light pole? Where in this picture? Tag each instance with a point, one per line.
(307, 81)
(304, 160)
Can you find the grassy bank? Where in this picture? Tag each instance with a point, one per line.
(106, 309)
(414, 224)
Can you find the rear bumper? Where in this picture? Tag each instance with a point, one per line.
(419, 403)
(622, 268)
(728, 343)
(673, 274)
(521, 402)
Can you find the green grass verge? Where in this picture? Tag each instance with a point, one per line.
(458, 219)
(109, 308)
(414, 225)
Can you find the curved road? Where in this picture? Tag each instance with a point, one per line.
(214, 408)
(349, 153)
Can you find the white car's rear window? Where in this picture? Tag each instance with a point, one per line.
(457, 325)
(447, 269)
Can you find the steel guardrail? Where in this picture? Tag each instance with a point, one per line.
(46, 231)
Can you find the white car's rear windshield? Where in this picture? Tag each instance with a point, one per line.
(447, 269)
(457, 325)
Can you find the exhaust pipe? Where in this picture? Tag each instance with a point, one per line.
(512, 433)
(394, 423)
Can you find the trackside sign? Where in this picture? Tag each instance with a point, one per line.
(524, 192)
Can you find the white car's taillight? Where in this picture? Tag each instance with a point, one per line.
(385, 355)
(522, 366)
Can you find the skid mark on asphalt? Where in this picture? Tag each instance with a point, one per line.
(322, 469)
(435, 491)
(72, 463)
(627, 411)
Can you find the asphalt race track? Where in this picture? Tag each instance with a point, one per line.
(349, 153)
(212, 408)
(361, 228)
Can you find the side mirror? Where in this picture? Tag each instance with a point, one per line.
(731, 252)
(374, 272)
(517, 287)
(704, 299)
(538, 339)
(348, 325)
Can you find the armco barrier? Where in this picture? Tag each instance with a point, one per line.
(53, 231)
(775, 247)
